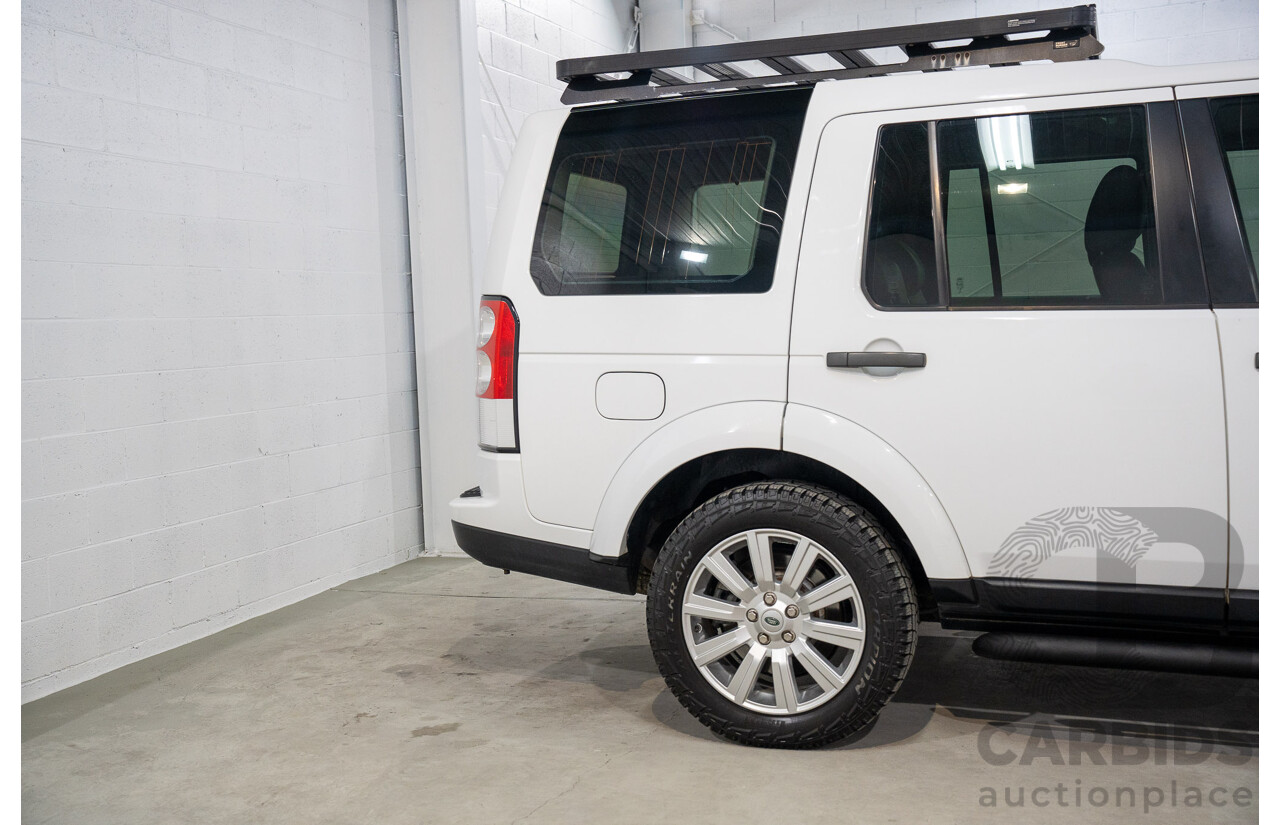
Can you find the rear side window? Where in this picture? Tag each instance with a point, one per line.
(669, 197)
(589, 234)
(1236, 122)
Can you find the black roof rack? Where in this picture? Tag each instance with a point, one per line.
(1057, 35)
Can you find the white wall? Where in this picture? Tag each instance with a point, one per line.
(519, 42)
(443, 168)
(218, 371)
(1157, 32)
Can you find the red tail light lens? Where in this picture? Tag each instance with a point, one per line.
(496, 348)
(496, 342)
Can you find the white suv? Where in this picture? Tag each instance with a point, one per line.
(809, 353)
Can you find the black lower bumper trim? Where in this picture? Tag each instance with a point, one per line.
(541, 558)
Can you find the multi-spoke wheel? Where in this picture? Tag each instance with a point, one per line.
(781, 616)
(783, 641)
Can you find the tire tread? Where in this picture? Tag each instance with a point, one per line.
(887, 575)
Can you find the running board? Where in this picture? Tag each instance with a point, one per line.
(1129, 654)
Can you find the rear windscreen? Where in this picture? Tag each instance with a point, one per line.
(670, 196)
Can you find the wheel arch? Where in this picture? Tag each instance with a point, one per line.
(699, 455)
(699, 480)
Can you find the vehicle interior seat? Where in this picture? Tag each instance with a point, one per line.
(1117, 216)
(904, 271)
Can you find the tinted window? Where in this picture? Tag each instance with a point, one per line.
(1038, 210)
(673, 196)
(1236, 122)
(588, 236)
(1049, 208)
(901, 264)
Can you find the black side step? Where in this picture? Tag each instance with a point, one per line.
(1129, 654)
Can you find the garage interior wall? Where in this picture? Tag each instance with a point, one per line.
(218, 386)
(518, 43)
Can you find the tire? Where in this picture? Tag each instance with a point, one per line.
(837, 611)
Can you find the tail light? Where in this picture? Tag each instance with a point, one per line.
(496, 374)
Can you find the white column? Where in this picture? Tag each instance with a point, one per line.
(664, 24)
(438, 65)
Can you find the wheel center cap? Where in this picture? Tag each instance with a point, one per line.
(771, 620)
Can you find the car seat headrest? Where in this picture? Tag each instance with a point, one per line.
(1117, 214)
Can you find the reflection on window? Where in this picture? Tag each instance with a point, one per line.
(1236, 121)
(1049, 208)
(726, 218)
(590, 238)
(1006, 142)
(967, 250)
(695, 211)
(684, 196)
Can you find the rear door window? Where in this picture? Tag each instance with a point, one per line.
(1038, 210)
(1049, 208)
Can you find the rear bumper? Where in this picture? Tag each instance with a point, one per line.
(541, 558)
(498, 506)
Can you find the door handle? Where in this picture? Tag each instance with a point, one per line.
(857, 360)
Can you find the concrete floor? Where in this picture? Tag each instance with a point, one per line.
(442, 691)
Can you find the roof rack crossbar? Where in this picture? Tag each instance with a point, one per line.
(852, 59)
(662, 77)
(721, 71)
(784, 65)
(1068, 34)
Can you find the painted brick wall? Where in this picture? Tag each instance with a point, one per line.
(218, 384)
(1157, 32)
(519, 42)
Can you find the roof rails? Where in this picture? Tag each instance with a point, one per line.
(1056, 35)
